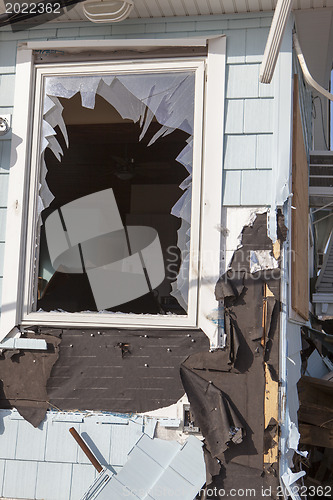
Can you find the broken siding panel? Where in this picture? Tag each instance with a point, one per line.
(20, 479)
(53, 481)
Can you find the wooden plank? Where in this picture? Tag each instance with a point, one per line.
(316, 415)
(316, 436)
(299, 229)
(271, 411)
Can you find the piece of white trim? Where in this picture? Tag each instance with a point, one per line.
(211, 205)
(274, 40)
(323, 298)
(14, 238)
(306, 73)
(26, 344)
(137, 44)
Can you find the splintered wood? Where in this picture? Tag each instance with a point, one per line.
(271, 407)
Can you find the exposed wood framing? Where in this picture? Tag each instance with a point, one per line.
(271, 407)
(299, 223)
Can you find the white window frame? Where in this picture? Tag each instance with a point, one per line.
(206, 187)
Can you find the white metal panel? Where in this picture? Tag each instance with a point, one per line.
(53, 481)
(31, 441)
(20, 479)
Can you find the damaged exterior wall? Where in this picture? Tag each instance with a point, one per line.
(255, 116)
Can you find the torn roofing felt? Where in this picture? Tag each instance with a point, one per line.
(121, 370)
(226, 388)
(23, 378)
(114, 370)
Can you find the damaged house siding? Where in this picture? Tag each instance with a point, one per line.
(255, 176)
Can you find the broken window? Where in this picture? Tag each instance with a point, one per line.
(121, 144)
